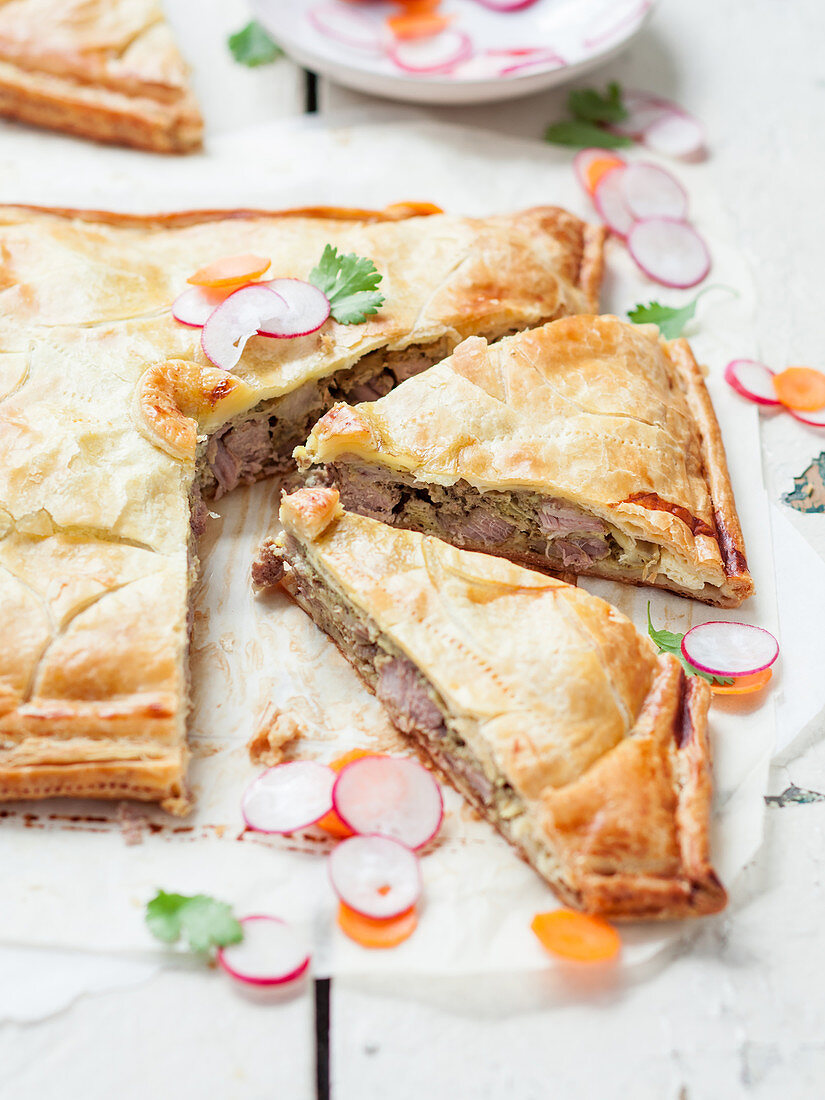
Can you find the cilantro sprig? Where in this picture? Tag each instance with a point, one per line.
(592, 110)
(668, 641)
(202, 921)
(670, 319)
(252, 46)
(350, 282)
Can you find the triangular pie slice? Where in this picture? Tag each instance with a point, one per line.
(113, 425)
(103, 69)
(586, 446)
(542, 704)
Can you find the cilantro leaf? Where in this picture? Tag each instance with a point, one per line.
(204, 922)
(584, 134)
(350, 284)
(668, 642)
(252, 45)
(589, 105)
(670, 320)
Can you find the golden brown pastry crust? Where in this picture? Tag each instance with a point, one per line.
(585, 409)
(102, 69)
(102, 398)
(604, 741)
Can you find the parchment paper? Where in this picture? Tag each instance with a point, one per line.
(71, 873)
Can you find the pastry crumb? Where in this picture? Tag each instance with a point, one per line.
(276, 732)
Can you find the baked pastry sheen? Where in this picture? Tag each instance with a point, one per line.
(112, 423)
(588, 445)
(541, 703)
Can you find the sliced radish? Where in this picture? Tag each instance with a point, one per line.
(675, 134)
(730, 649)
(288, 797)
(307, 308)
(376, 876)
(506, 5)
(584, 158)
(342, 23)
(238, 317)
(651, 192)
(389, 796)
(812, 419)
(196, 304)
(643, 110)
(609, 199)
(270, 953)
(439, 54)
(752, 380)
(533, 59)
(669, 251)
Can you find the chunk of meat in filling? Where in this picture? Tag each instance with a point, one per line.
(402, 692)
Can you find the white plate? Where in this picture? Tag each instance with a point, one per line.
(505, 54)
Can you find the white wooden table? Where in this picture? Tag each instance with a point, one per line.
(741, 1013)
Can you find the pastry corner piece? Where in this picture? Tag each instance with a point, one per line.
(108, 70)
(587, 445)
(543, 705)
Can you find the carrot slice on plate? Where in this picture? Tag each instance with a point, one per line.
(417, 24)
(231, 271)
(800, 388)
(598, 168)
(576, 936)
(331, 822)
(744, 685)
(377, 933)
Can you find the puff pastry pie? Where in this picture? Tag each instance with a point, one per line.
(542, 704)
(587, 446)
(102, 69)
(113, 424)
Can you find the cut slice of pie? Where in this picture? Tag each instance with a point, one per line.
(586, 446)
(103, 69)
(113, 425)
(542, 704)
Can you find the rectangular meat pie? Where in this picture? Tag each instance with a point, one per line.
(542, 704)
(588, 445)
(113, 425)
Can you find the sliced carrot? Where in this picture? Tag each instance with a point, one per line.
(744, 685)
(800, 388)
(576, 936)
(411, 209)
(377, 933)
(231, 271)
(411, 24)
(331, 822)
(598, 168)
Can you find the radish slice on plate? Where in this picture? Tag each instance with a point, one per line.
(342, 23)
(270, 953)
(376, 876)
(506, 5)
(288, 797)
(669, 251)
(609, 199)
(752, 380)
(196, 304)
(307, 308)
(389, 796)
(432, 55)
(675, 134)
(730, 649)
(651, 192)
(238, 317)
(812, 419)
(531, 60)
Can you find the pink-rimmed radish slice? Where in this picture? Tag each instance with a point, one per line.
(752, 380)
(288, 797)
(271, 952)
(375, 875)
(812, 419)
(675, 134)
(643, 110)
(506, 5)
(342, 23)
(438, 54)
(584, 158)
(670, 252)
(196, 304)
(238, 317)
(610, 202)
(652, 192)
(307, 308)
(532, 61)
(389, 796)
(730, 649)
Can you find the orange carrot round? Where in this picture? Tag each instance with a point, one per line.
(800, 388)
(377, 933)
(421, 24)
(331, 822)
(744, 685)
(577, 936)
(231, 271)
(597, 168)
